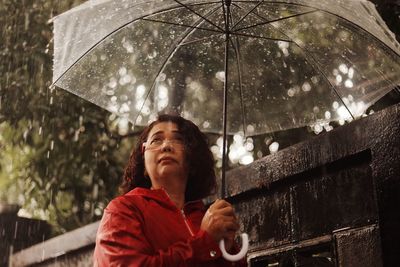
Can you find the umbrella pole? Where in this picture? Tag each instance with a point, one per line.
(227, 4)
(245, 238)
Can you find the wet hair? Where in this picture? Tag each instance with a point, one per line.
(201, 178)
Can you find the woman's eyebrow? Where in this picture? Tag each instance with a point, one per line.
(157, 133)
(162, 132)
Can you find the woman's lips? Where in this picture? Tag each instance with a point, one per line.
(166, 159)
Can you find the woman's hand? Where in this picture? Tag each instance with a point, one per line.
(220, 222)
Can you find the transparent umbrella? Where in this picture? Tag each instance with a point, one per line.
(230, 66)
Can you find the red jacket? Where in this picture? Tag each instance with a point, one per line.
(145, 228)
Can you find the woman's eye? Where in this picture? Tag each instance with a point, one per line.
(155, 141)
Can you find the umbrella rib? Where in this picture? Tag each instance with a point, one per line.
(238, 63)
(171, 52)
(318, 68)
(331, 13)
(248, 13)
(316, 64)
(115, 30)
(201, 16)
(310, 56)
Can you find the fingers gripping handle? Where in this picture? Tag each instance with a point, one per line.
(242, 252)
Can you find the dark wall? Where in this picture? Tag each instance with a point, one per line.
(331, 198)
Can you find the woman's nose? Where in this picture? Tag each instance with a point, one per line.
(166, 146)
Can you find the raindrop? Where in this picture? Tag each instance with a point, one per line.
(125, 79)
(161, 77)
(76, 136)
(40, 130)
(25, 134)
(122, 71)
(249, 146)
(140, 91)
(238, 138)
(206, 124)
(268, 141)
(52, 145)
(112, 83)
(343, 113)
(335, 105)
(93, 58)
(220, 75)
(327, 115)
(247, 159)
(124, 108)
(351, 73)
(273, 148)
(339, 79)
(51, 100)
(314, 79)
(250, 128)
(317, 128)
(48, 154)
(152, 55)
(306, 87)
(15, 230)
(348, 83)
(343, 68)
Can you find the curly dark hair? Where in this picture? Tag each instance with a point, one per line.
(201, 179)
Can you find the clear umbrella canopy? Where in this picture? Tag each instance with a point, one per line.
(291, 64)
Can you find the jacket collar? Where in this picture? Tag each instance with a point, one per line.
(161, 196)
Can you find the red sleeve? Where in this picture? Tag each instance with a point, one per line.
(120, 242)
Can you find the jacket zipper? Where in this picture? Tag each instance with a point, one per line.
(187, 223)
(183, 215)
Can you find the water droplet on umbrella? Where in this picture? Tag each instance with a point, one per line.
(348, 83)
(152, 55)
(306, 87)
(273, 147)
(343, 68)
(327, 115)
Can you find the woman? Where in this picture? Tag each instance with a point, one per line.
(160, 219)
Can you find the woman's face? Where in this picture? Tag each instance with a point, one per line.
(164, 155)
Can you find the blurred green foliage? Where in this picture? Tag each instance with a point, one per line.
(61, 158)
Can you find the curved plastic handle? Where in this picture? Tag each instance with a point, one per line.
(242, 252)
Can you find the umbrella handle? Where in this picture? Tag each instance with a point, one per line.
(242, 252)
